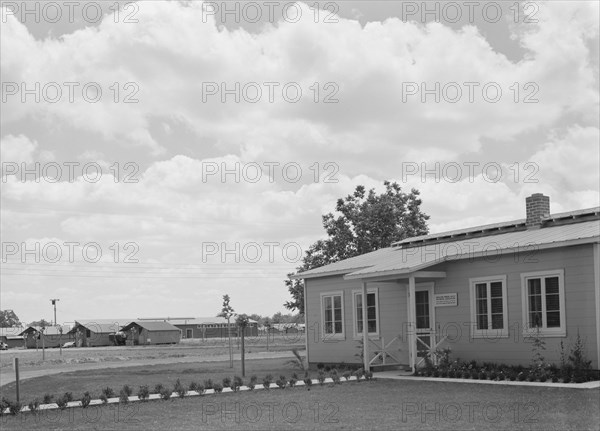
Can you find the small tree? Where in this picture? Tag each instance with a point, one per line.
(242, 322)
(228, 312)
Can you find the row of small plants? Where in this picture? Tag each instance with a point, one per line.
(181, 390)
(574, 367)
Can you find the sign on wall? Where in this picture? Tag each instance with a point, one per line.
(445, 299)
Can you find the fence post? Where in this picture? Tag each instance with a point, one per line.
(16, 367)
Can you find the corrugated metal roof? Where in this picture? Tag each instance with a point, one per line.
(50, 330)
(102, 326)
(12, 332)
(203, 321)
(152, 325)
(404, 260)
(498, 227)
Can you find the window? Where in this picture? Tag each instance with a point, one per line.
(544, 303)
(489, 315)
(332, 307)
(372, 312)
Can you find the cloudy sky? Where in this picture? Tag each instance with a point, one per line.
(157, 156)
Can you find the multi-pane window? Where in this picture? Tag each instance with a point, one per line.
(543, 295)
(372, 313)
(488, 306)
(333, 314)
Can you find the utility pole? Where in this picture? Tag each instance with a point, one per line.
(54, 301)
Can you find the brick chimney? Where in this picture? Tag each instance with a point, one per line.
(537, 206)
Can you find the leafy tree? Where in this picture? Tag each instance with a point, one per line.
(42, 322)
(8, 319)
(364, 222)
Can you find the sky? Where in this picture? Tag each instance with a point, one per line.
(161, 154)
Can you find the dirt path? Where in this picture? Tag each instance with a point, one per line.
(8, 376)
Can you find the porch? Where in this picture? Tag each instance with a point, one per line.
(420, 331)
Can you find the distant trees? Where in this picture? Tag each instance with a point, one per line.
(8, 319)
(42, 322)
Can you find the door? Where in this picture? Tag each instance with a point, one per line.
(424, 319)
(189, 333)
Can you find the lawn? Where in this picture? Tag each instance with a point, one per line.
(94, 380)
(379, 404)
(32, 359)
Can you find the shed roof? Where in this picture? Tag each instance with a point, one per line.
(150, 325)
(49, 330)
(203, 321)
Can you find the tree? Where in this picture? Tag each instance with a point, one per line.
(365, 222)
(8, 319)
(42, 322)
(242, 321)
(227, 312)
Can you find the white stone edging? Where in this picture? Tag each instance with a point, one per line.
(135, 398)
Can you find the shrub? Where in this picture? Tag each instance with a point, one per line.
(62, 403)
(521, 376)
(347, 374)
(158, 388)
(208, 384)
(226, 382)
(267, 381)
(123, 397)
(68, 396)
(165, 393)
(108, 392)
(237, 383)
(252, 383)
(359, 374)
(321, 377)
(335, 376)
(281, 382)
(48, 398)
(15, 408)
(103, 398)
(293, 380)
(451, 374)
(3, 405)
(193, 386)
(369, 375)
(34, 406)
(327, 368)
(555, 379)
(127, 390)
(143, 393)
(218, 388)
(307, 380)
(320, 366)
(179, 389)
(86, 399)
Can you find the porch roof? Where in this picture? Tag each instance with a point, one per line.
(402, 261)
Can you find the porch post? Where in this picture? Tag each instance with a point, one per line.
(365, 328)
(412, 334)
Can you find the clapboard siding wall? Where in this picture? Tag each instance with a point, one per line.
(577, 262)
(392, 313)
(578, 265)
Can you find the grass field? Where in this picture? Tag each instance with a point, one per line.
(93, 381)
(380, 404)
(32, 359)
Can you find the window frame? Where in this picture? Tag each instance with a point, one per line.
(338, 336)
(488, 333)
(543, 330)
(359, 335)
